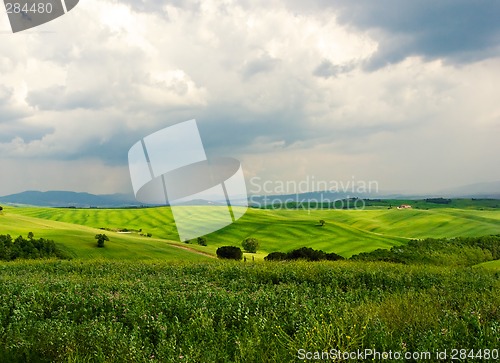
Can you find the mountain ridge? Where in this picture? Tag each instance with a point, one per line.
(87, 200)
(57, 198)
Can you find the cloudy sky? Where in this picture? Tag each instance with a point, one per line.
(404, 93)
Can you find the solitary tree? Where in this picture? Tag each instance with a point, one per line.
(101, 238)
(321, 222)
(202, 241)
(1, 208)
(31, 235)
(250, 244)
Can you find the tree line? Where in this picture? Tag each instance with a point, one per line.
(459, 251)
(29, 248)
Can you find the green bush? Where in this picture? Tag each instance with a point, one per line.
(101, 238)
(230, 252)
(460, 251)
(276, 256)
(250, 244)
(28, 248)
(303, 253)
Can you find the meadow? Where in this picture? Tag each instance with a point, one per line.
(77, 241)
(156, 299)
(119, 311)
(346, 232)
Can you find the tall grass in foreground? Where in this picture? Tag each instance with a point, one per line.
(69, 311)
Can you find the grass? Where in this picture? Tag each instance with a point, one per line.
(460, 203)
(491, 265)
(127, 311)
(346, 232)
(143, 299)
(78, 240)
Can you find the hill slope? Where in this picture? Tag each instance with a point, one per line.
(346, 232)
(78, 240)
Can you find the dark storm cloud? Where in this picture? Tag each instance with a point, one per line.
(60, 98)
(327, 69)
(12, 130)
(262, 64)
(459, 31)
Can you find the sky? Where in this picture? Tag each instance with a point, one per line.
(401, 93)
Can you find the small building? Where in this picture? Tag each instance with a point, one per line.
(404, 206)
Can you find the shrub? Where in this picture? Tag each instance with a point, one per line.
(250, 244)
(303, 253)
(333, 257)
(100, 239)
(276, 256)
(306, 253)
(27, 248)
(460, 251)
(202, 241)
(230, 252)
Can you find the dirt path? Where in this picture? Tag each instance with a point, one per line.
(192, 250)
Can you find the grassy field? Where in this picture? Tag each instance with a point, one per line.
(460, 203)
(119, 311)
(78, 241)
(346, 232)
(142, 299)
(491, 265)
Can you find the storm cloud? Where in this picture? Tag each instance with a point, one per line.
(398, 92)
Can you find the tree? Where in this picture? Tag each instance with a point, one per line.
(101, 238)
(250, 244)
(230, 252)
(322, 222)
(31, 235)
(202, 241)
(276, 256)
(1, 208)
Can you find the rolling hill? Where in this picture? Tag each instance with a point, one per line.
(78, 240)
(346, 232)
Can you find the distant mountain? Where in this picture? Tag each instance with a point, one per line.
(490, 190)
(70, 199)
(86, 200)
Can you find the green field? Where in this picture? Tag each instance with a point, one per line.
(142, 299)
(127, 311)
(78, 241)
(346, 232)
(491, 265)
